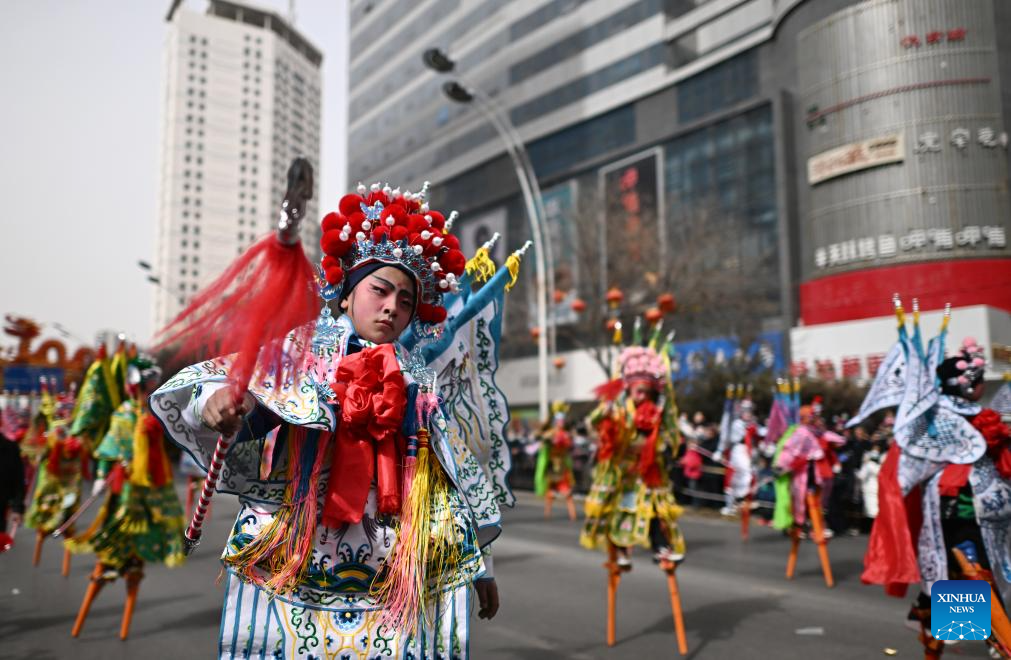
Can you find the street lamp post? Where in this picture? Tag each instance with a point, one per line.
(153, 279)
(438, 61)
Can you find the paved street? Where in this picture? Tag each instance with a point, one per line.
(737, 604)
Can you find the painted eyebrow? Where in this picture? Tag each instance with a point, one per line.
(393, 286)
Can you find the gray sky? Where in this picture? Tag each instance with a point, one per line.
(80, 126)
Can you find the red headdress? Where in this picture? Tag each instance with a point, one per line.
(380, 224)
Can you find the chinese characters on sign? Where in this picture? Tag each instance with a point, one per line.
(887, 245)
(852, 367)
(856, 156)
(933, 38)
(960, 138)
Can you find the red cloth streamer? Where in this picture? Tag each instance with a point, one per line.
(53, 462)
(610, 390)
(248, 310)
(372, 397)
(647, 420)
(607, 436)
(156, 451)
(890, 559)
(116, 479)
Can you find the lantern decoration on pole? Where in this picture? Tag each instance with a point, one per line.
(665, 303)
(653, 315)
(535, 333)
(559, 363)
(615, 297)
(558, 296)
(578, 305)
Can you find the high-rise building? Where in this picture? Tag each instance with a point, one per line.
(242, 99)
(784, 164)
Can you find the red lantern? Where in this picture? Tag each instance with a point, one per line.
(559, 363)
(653, 314)
(615, 297)
(611, 324)
(559, 296)
(666, 303)
(578, 306)
(535, 333)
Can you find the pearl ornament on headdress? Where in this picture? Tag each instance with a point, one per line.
(360, 236)
(437, 241)
(361, 188)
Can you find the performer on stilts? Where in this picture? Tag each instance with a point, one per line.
(553, 474)
(367, 518)
(631, 501)
(140, 521)
(58, 485)
(805, 458)
(738, 437)
(944, 488)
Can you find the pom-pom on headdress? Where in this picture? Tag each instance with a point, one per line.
(642, 363)
(962, 372)
(380, 224)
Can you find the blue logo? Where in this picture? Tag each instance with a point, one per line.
(960, 609)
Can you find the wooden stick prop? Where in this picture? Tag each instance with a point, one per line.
(791, 562)
(669, 568)
(265, 294)
(66, 563)
(80, 510)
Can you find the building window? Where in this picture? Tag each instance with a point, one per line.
(719, 87)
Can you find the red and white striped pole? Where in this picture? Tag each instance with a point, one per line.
(195, 529)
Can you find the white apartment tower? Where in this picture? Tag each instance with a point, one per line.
(242, 99)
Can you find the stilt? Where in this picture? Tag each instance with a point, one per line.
(932, 648)
(613, 578)
(999, 624)
(66, 562)
(133, 579)
(669, 568)
(40, 536)
(745, 517)
(548, 500)
(571, 503)
(818, 530)
(791, 563)
(97, 582)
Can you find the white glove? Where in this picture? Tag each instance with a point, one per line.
(97, 487)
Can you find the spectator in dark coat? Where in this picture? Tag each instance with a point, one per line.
(12, 483)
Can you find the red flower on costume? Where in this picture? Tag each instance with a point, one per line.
(372, 398)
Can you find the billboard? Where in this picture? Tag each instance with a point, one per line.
(632, 235)
(25, 378)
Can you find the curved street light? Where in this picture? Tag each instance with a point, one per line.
(438, 61)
